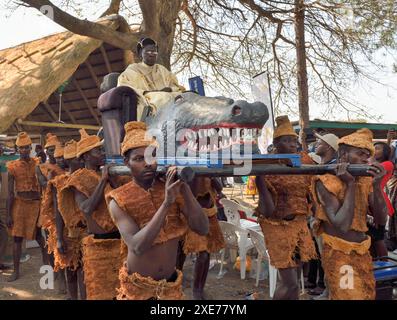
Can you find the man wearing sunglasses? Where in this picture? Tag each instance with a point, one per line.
(154, 84)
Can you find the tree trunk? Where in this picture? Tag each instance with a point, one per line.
(303, 89)
(159, 19)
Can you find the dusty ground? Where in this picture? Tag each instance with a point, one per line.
(27, 287)
(230, 287)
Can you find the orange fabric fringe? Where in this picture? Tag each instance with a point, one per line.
(212, 242)
(101, 262)
(25, 214)
(137, 287)
(340, 257)
(285, 239)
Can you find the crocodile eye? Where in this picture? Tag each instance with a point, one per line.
(178, 99)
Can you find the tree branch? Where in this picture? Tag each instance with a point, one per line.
(260, 11)
(114, 8)
(232, 10)
(185, 9)
(88, 28)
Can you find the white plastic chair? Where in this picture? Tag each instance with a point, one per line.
(259, 243)
(236, 238)
(260, 246)
(248, 208)
(232, 214)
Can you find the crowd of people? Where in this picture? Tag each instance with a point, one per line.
(323, 151)
(127, 237)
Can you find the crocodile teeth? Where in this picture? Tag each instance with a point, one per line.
(193, 135)
(247, 133)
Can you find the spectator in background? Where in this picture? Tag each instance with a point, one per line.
(316, 132)
(391, 141)
(392, 225)
(251, 187)
(377, 232)
(326, 150)
(40, 153)
(327, 147)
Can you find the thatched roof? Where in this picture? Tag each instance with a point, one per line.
(31, 73)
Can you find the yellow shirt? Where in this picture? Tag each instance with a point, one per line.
(141, 77)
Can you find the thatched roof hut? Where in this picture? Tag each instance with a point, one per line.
(32, 73)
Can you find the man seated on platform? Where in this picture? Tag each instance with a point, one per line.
(154, 84)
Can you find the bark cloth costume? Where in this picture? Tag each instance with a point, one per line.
(25, 213)
(46, 169)
(288, 241)
(213, 241)
(338, 252)
(142, 207)
(101, 253)
(74, 230)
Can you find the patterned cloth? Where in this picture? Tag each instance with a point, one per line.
(251, 189)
